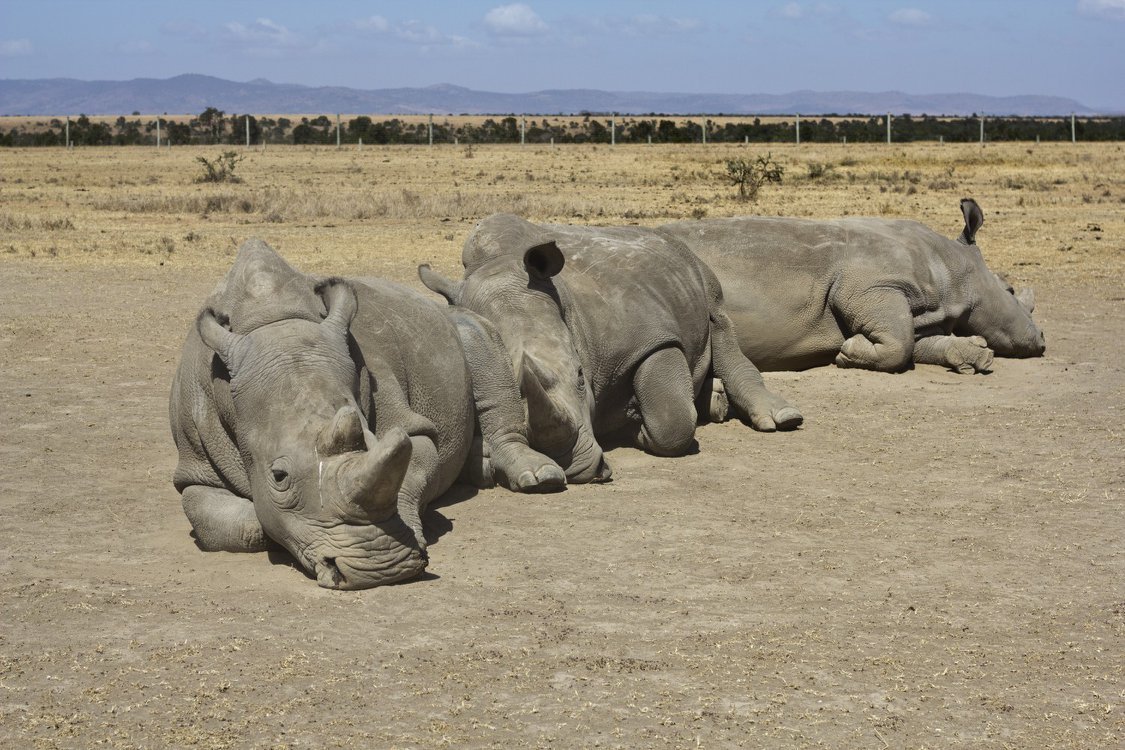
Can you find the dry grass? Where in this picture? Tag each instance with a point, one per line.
(1052, 208)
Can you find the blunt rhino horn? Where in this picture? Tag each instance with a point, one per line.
(371, 479)
(344, 435)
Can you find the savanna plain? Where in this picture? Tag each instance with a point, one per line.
(931, 560)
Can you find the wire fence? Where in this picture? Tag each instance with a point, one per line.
(216, 127)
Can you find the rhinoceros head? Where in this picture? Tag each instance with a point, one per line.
(322, 485)
(518, 295)
(1002, 314)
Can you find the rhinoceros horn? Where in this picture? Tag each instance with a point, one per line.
(371, 471)
(547, 421)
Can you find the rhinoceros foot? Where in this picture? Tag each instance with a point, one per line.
(969, 355)
(782, 418)
(522, 469)
(718, 408)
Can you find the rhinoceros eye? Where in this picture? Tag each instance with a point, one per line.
(279, 476)
(581, 381)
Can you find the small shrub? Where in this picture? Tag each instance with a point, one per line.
(221, 169)
(819, 169)
(750, 175)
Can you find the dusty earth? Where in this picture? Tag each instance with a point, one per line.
(933, 560)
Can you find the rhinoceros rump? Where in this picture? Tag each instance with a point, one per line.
(610, 331)
(862, 292)
(293, 425)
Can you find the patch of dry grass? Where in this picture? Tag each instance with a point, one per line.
(384, 209)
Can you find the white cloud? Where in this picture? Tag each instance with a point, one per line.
(411, 32)
(372, 23)
(15, 47)
(910, 17)
(516, 19)
(262, 32)
(1114, 10)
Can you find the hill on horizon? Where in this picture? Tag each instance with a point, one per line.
(192, 93)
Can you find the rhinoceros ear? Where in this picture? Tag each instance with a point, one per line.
(543, 261)
(435, 282)
(974, 217)
(340, 302)
(219, 339)
(1026, 298)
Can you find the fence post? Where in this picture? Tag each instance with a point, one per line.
(337, 130)
(798, 129)
(430, 128)
(888, 127)
(158, 131)
(1073, 132)
(523, 130)
(704, 131)
(247, 131)
(613, 129)
(982, 130)
(67, 144)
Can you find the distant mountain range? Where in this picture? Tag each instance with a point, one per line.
(191, 94)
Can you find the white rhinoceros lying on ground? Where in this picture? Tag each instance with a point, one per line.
(862, 292)
(609, 331)
(326, 416)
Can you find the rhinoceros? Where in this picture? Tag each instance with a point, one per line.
(325, 415)
(862, 292)
(611, 332)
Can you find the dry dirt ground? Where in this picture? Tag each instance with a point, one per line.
(932, 560)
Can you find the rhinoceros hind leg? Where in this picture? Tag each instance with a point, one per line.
(963, 354)
(222, 521)
(885, 356)
(663, 387)
(884, 331)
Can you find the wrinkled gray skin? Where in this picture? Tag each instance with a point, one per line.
(863, 292)
(326, 416)
(610, 331)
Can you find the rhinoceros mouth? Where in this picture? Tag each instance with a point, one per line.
(385, 553)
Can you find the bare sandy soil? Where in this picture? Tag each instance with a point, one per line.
(932, 560)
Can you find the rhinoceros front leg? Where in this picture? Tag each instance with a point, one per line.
(738, 382)
(964, 354)
(503, 452)
(883, 327)
(222, 521)
(663, 389)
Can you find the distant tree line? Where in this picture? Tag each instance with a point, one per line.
(213, 126)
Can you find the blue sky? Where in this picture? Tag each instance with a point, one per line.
(1072, 48)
